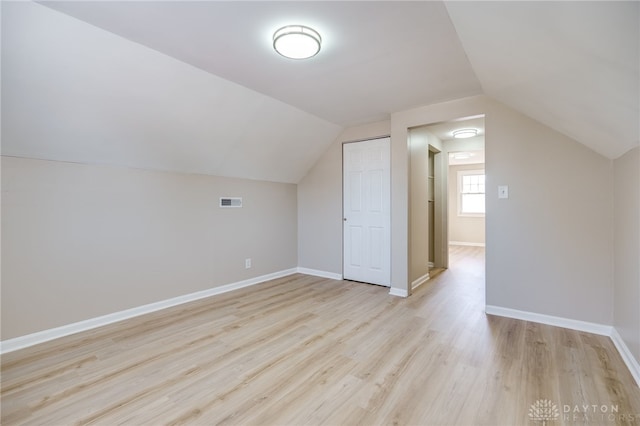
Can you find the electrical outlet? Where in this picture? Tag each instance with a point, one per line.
(247, 263)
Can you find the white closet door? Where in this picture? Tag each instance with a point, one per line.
(367, 211)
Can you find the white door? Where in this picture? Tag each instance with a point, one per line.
(366, 181)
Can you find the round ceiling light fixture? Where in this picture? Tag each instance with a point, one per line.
(465, 133)
(297, 42)
(462, 155)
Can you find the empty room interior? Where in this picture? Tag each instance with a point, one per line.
(341, 212)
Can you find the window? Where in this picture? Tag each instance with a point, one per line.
(471, 193)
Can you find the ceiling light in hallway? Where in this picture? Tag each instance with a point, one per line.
(465, 133)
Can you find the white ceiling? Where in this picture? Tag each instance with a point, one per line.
(377, 57)
(572, 65)
(201, 90)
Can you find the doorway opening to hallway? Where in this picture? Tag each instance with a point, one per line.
(447, 197)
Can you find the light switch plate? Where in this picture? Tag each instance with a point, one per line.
(503, 191)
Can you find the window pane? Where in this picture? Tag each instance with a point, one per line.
(472, 184)
(472, 203)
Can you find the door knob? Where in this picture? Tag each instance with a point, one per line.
(344, 218)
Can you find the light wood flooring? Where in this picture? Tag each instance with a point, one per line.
(307, 350)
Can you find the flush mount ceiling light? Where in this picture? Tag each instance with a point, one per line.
(297, 42)
(465, 133)
(462, 155)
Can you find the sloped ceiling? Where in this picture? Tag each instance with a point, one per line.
(196, 86)
(574, 66)
(377, 57)
(73, 92)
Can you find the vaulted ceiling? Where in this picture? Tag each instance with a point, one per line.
(197, 87)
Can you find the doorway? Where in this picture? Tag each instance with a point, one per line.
(366, 181)
(467, 197)
(445, 161)
(466, 185)
(431, 179)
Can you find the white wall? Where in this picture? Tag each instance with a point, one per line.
(627, 250)
(81, 241)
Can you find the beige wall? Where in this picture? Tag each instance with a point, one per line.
(419, 141)
(557, 220)
(418, 205)
(80, 241)
(549, 246)
(106, 239)
(627, 250)
(320, 203)
(463, 229)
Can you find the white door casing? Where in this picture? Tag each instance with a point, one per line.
(367, 211)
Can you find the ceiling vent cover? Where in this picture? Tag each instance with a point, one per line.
(230, 202)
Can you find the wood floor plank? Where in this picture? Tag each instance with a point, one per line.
(303, 350)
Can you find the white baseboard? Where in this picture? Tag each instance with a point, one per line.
(462, 243)
(317, 273)
(66, 330)
(627, 356)
(417, 283)
(589, 327)
(398, 292)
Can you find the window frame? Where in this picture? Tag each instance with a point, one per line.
(460, 194)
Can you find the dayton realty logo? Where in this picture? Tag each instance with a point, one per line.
(595, 413)
(543, 410)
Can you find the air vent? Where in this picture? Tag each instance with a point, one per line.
(230, 201)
